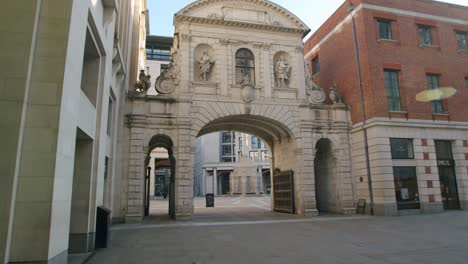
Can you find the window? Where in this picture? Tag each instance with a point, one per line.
(163, 67)
(245, 66)
(256, 142)
(443, 149)
(315, 65)
(432, 84)
(106, 167)
(153, 53)
(393, 90)
(402, 148)
(110, 115)
(466, 82)
(228, 147)
(385, 29)
(425, 35)
(254, 155)
(406, 188)
(462, 39)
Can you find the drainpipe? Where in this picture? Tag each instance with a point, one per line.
(363, 112)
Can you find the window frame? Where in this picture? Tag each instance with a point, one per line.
(231, 144)
(395, 91)
(464, 46)
(388, 22)
(466, 83)
(315, 65)
(437, 106)
(400, 205)
(410, 149)
(422, 38)
(240, 69)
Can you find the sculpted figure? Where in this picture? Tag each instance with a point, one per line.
(282, 70)
(205, 63)
(335, 95)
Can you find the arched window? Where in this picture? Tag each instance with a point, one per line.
(245, 66)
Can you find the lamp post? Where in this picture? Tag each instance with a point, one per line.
(351, 9)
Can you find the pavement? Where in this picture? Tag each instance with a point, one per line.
(245, 233)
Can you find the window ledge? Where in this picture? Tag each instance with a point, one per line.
(398, 112)
(462, 51)
(429, 46)
(388, 41)
(440, 114)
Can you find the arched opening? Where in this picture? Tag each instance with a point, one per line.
(159, 180)
(326, 180)
(245, 149)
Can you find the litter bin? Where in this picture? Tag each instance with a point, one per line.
(103, 222)
(209, 200)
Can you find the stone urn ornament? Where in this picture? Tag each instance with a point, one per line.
(335, 95)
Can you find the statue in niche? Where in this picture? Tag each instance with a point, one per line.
(206, 64)
(282, 70)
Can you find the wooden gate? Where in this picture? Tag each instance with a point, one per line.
(283, 189)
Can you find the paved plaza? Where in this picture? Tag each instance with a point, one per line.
(241, 230)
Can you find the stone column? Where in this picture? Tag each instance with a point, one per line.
(215, 181)
(203, 182)
(259, 180)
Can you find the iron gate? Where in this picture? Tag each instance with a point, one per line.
(283, 189)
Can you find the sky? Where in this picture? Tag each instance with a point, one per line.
(313, 12)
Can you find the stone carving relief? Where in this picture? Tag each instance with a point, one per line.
(314, 92)
(205, 63)
(247, 90)
(143, 83)
(168, 80)
(282, 72)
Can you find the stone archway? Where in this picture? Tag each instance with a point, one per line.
(161, 141)
(326, 177)
(288, 117)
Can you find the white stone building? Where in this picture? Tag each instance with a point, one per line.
(238, 66)
(66, 68)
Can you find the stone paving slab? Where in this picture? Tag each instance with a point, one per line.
(431, 239)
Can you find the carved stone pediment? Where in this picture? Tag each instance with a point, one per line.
(245, 12)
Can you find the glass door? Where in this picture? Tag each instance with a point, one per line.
(448, 179)
(448, 185)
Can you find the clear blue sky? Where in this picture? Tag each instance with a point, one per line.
(312, 12)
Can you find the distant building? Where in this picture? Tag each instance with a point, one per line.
(418, 150)
(219, 155)
(158, 57)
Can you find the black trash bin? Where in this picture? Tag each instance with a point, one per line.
(209, 200)
(103, 222)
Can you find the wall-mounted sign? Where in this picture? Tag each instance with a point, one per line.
(445, 163)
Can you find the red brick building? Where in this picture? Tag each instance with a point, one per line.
(417, 151)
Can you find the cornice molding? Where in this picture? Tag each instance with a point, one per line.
(210, 21)
(265, 3)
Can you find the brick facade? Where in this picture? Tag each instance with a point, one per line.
(404, 54)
